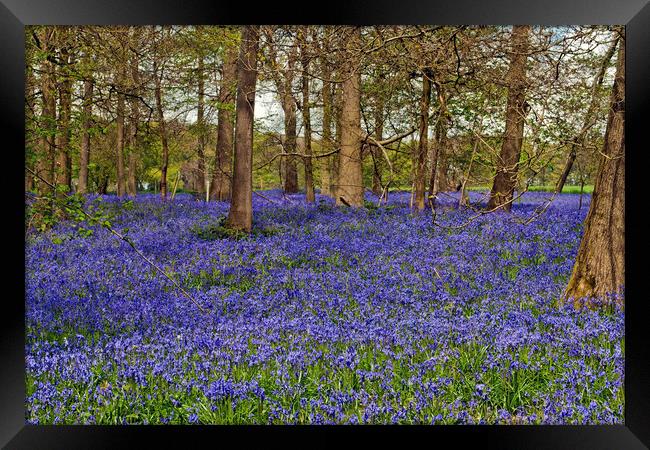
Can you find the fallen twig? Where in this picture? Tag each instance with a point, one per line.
(132, 244)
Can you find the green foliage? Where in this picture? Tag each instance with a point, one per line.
(47, 212)
(219, 230)
(268, 231)
(215, 277)
(216, 230)
(370, 206)
(324, 206)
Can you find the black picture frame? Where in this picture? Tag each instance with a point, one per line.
(15, 14)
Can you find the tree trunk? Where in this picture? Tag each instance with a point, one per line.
(283, 80)
(464, 197)
(240, 215)
(222, 177)
(201, 177)
(45, 163)
(132, 182)
(505, 180)
(84, 155)
(439, 143)
(121, 185)
(306, 120)
(336, 160)
(443, 163)
(163, 132)
(29, 119)
(439, 146)
(440, 179)
(600, 264)
(421, 157)
(377, 156)
(290, 167)
(63, 164)
(350, 180)
(326, 165)
(131, 144)
(285, 84)
(434, 169)
(134, 135)
(103, 185)
(567, 168)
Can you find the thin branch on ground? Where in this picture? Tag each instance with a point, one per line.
(131, 244)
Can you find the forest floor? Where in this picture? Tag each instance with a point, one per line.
(323, 315)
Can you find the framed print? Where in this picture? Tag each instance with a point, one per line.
(413, 221)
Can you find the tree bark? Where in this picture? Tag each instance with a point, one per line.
(505, 180)
(134, 123)
(440, 143)
(163, 131)
(434, 167)
(600, 264)
(63, 164)
(201, 177)
(29, 118)
(45, 163)
(102, 188)
(378, 158)
(121, 184)
(567, 167)
(306, 118)
(326, 165)
(443, 163)
(284, 83)
(290, 166)
(240, 216)
(464, 197)
(84, 155)
(421, 157)
(338, 117)
(132, 181)
(222, 178)
(283, 80)
(350, 180)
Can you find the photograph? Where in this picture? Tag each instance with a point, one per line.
(324, 224)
